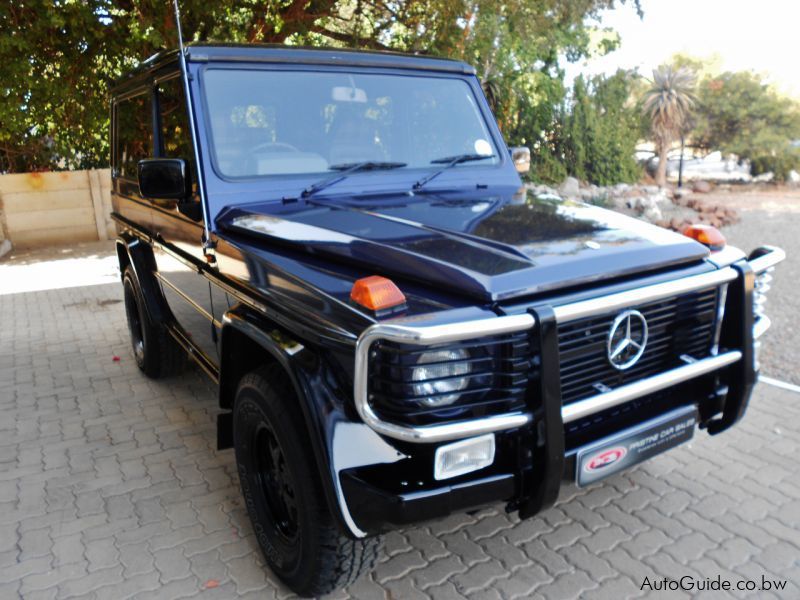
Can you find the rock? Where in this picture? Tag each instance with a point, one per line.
(570, 188)
(653, 214)
(701, 186)
(618, 203)
(681, 192)
(651, 189)
(5, 247)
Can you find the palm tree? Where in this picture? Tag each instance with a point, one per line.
(668, 104)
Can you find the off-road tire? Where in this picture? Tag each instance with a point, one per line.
(312, 557)
(156, 352)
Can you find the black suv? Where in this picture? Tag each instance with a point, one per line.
(398, 328)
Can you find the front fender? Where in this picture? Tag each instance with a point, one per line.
(322, 401)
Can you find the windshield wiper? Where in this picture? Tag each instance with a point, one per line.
(344, 170)
(450, 161)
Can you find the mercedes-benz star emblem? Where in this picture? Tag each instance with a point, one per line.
(627, 339)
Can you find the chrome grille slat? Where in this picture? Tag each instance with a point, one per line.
(678, 325)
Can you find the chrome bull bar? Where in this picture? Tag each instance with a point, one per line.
(408, 331)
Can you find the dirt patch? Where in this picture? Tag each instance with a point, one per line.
(772, 199)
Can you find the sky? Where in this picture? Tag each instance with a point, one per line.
(763, 36)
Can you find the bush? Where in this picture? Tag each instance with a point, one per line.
(779, 164)
(600, 131)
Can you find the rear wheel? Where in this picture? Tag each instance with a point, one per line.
(281, 488)
(157, 354)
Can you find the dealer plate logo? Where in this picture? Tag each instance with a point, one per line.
(633, 445)
(605, 459)
(627, 339)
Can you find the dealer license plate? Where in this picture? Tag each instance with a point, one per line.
(634, 445)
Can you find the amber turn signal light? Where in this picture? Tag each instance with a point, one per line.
(706, 235)
(377, 293)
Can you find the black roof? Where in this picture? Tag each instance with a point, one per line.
(279, 53)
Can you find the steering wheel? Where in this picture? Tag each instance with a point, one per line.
(274, 147)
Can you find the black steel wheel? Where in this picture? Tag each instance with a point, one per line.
(156, 353)
(283, 494)
(275, 483)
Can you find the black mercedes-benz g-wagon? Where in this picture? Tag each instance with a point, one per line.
(398, 329)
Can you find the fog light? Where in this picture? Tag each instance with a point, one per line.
(463, 457)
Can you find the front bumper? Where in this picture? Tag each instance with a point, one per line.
(537, 456)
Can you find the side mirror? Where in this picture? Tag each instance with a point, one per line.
(521, 155)
(164, 179)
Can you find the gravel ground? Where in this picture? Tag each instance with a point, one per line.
(774, 218)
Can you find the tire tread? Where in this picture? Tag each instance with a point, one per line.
(343, 559)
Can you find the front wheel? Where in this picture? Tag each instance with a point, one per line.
(281, 488)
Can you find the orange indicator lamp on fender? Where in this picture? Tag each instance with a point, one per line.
(706, 235)
(377, 294)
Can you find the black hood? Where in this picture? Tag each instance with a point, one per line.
(490, 247)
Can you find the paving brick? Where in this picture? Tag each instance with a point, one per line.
(438, 571)
(571, 585)
(34, 543)
(52, 578)
(172, 564)
(110, 487)
(101, 554)
(605, 539)
(399, 565)
(597, 567)
(136, 584)
(136, 559)
(247, 574)
(68, 549)
(690, 547)
(565, 535)
(647, 543)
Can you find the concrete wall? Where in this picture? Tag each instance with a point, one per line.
(44, 209)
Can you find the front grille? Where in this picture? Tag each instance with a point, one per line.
(502, 366)
(682, 325)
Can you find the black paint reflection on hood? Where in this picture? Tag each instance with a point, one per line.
(538, 219)
(454, 251)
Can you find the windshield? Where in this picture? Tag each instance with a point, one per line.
(292, 122)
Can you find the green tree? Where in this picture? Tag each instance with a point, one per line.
(57, 59)
(668, 104)
(740, 114)
(600, 131)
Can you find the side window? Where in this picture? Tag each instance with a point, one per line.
(134, 134)
(176, 137)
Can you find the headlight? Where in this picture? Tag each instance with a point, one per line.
(441, 372)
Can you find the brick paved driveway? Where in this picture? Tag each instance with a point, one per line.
(110, 486)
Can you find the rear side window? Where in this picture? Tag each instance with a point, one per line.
(134, 134)
(176, 138)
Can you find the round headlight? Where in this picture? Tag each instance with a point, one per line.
(448, 363)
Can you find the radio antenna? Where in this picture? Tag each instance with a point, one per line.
(208, 244)
(178, 25)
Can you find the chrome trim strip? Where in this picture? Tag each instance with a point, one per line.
(767, 261)
(183, 295)
(406, 333)
(608, 304)
(631, 391)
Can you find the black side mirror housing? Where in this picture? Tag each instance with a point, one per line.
(164, 179)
